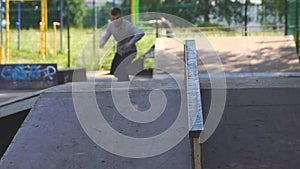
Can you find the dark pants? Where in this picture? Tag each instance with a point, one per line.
(119, 65)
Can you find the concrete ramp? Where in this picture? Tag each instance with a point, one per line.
(236, 56)
(51, 136)
(17, 102)
(90, 125)
(260, 125)
(252, 54)
(13, 111)
(259, 128)
(168, 56)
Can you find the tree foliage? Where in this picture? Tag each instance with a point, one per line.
(273, 12)
(194, 11)
(31, 12)
(230, 11)
(75, 9)
(226, 11)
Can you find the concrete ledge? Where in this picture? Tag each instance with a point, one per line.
(28, 76)
(17, 107)
(71, 75)
(19, 104)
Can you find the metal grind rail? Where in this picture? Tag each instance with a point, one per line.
(194, 103)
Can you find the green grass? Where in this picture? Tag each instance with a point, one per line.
(30, 47)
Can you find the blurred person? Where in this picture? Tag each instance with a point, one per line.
(165, 24)
(168, 26)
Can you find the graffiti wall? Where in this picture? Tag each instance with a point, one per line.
(28, 76)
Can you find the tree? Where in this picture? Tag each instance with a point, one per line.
(170, 7)
(75, 9)
(193, 10)
(230, 11)
(102, 16)
(145, 6)
(31, 12)
(273, 12)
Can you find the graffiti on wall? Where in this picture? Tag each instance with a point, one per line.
(29, 74)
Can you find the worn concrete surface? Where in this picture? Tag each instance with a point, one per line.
(9, 95)
(252, 54)
(259, 128)
(255, 137)
(51, 136)
(168, 56)
(14, 101)
(249, 54)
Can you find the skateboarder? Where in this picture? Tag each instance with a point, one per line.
(126, 35)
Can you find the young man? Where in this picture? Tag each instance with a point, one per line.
(126, 35)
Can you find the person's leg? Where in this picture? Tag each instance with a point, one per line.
(116, 61)
(121, 71)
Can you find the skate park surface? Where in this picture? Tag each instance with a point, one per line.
(259, 127)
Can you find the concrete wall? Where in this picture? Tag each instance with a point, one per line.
(259, 128)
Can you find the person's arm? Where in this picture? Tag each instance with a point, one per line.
(105, 37)
(138, 34)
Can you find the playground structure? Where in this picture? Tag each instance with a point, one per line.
(43, 28)
(135, 10)
(43, 40)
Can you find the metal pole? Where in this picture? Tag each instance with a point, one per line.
(246, 17)
(46, 27)
(137, 11)
(297, 26)
(156, 24)
(19, 25)
(54, 37)
(7, 30)
(68, 27)
(42, 30)
(286, 26)
(133, 11)
(61, 24)
(95, 18)
(95, 25)
(1, 26)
